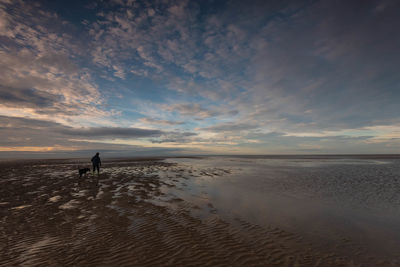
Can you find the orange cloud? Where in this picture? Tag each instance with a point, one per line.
(36, 148)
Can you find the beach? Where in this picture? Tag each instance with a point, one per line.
(202, 211)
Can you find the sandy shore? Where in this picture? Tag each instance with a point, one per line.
(128, 216)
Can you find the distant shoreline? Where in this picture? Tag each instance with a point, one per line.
(270, 156)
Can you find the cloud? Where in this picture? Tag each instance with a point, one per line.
(110, 132)
(175, 137)
(106, 151)
(191, 109)
(160, 122)
(251, 66)
(40, 66)
(233, 72)
(37, 135)
(33, 132)
(18, 122)
(27, 97)
(230, 127)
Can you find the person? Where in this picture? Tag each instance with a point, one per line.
(96, 163)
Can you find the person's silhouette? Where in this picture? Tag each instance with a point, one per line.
(96, 163)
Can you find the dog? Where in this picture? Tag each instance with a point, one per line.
(83, 171)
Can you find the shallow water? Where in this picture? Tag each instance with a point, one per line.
(325, 200)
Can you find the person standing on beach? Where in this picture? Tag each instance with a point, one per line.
(96, 163)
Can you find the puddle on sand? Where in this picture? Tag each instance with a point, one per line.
(55, 199)
(72, 204)
(21, 207)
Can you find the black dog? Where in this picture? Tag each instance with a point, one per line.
(83, 171)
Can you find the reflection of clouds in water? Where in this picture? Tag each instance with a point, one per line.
(54, 199)
(315, 162)
(352, 181)
(80, 193)
(99, 194)
(305, 194)
(21, 207)
(72, 204)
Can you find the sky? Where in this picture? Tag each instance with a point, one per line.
(172, 77)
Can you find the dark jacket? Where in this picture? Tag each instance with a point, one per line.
(96, 160)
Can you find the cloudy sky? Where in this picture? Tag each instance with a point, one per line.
(199, 77)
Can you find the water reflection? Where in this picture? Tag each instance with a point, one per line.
(325, 199)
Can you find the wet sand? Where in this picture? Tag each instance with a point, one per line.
(149, 212)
